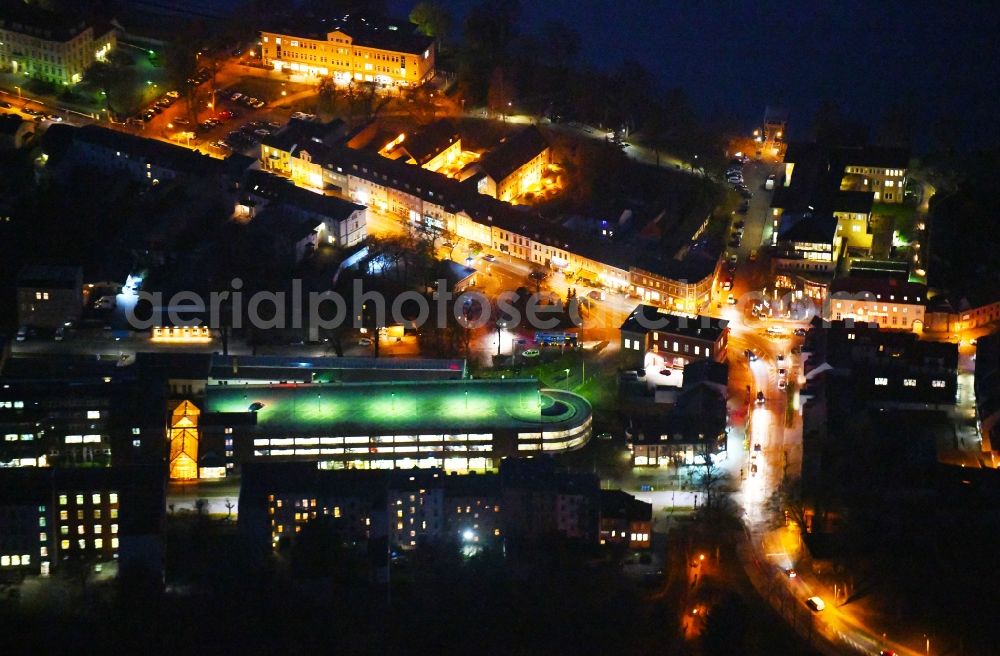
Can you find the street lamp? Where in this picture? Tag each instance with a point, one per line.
(567, 377)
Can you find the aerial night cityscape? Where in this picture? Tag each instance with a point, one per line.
(499, 327)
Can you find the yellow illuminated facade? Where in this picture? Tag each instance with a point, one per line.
(182, 335)
(184, 441)
(347, 58)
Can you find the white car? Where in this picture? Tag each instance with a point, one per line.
(22, 333)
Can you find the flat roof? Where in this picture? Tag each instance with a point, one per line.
(402, 408)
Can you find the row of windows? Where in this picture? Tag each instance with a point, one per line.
(112, 497)
(882, 381)
(64, 515)
(82, 543)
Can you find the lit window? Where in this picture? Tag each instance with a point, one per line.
(98, 543)
(114, 497)
(62, 499)
(937, 383)
(114, 543)
(64, 515)
(79, 499)
(909, 382)
(93, 414)
(95, 498)
(64, 544)
(881, 381)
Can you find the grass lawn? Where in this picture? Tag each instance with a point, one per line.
(903, 217)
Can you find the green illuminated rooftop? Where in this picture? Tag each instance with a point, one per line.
(448, 406)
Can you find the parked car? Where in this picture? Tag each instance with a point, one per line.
(760, 398)
(5, 104)
(173, 94)
(22, 333)
(800, 332)
(236, 96)
(31, 112)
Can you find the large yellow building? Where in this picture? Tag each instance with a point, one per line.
(38, 43)
(389, 54)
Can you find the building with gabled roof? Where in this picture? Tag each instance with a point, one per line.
(511, 168)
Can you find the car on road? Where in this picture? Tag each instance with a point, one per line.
(148, 115)
(173, 94)
(800, 332)
(255, 406)
(31, 112)
(782, 384)
(236, 96)
(781, 357)
(22, 333)
(789, 572)
(60, 333)
(731, 300)
(5, 104)
(753, 469)
(760, 398)
(782, 373)
(665, 372)
(727, 284)
(815, 604)
(490, 257)
(756, 447)
(733, 259)
(54, 118)
(753, 256)
(751, 355)
(604, 436)
(180, 120)
(261, 132)
(364, 341)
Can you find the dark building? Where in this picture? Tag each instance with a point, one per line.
(49, 296)
(889, 369)
(650, 335)
(52, 518)
(625, 520)
(529, 502)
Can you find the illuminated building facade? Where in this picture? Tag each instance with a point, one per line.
(528, 501)
(625, 520)
(455, 425)
(50, 517)
(434, 204)
(513, 167)
(389, 54)
(50, 46)
(183, 437)
(889, 303)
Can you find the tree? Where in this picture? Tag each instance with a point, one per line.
(500, 96)
(365, 101)
(115, 83)
(431, 19)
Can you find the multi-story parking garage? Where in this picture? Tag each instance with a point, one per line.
(458, 425)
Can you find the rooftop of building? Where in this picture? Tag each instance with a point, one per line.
(619, 504)
(160, 153)
(301, 134)
(513, 152)
(408, 407)
(50, 276)
(425, 144)
(807, 228)
(881, 289)
(283, 191)
(324, 369)
(647, 318)
(41, 23)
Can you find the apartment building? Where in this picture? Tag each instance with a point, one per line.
(509, 170)
(52, 517)
(49, 296)
(52, 46)
(889, 303)
(672, 340)
(352, 49)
